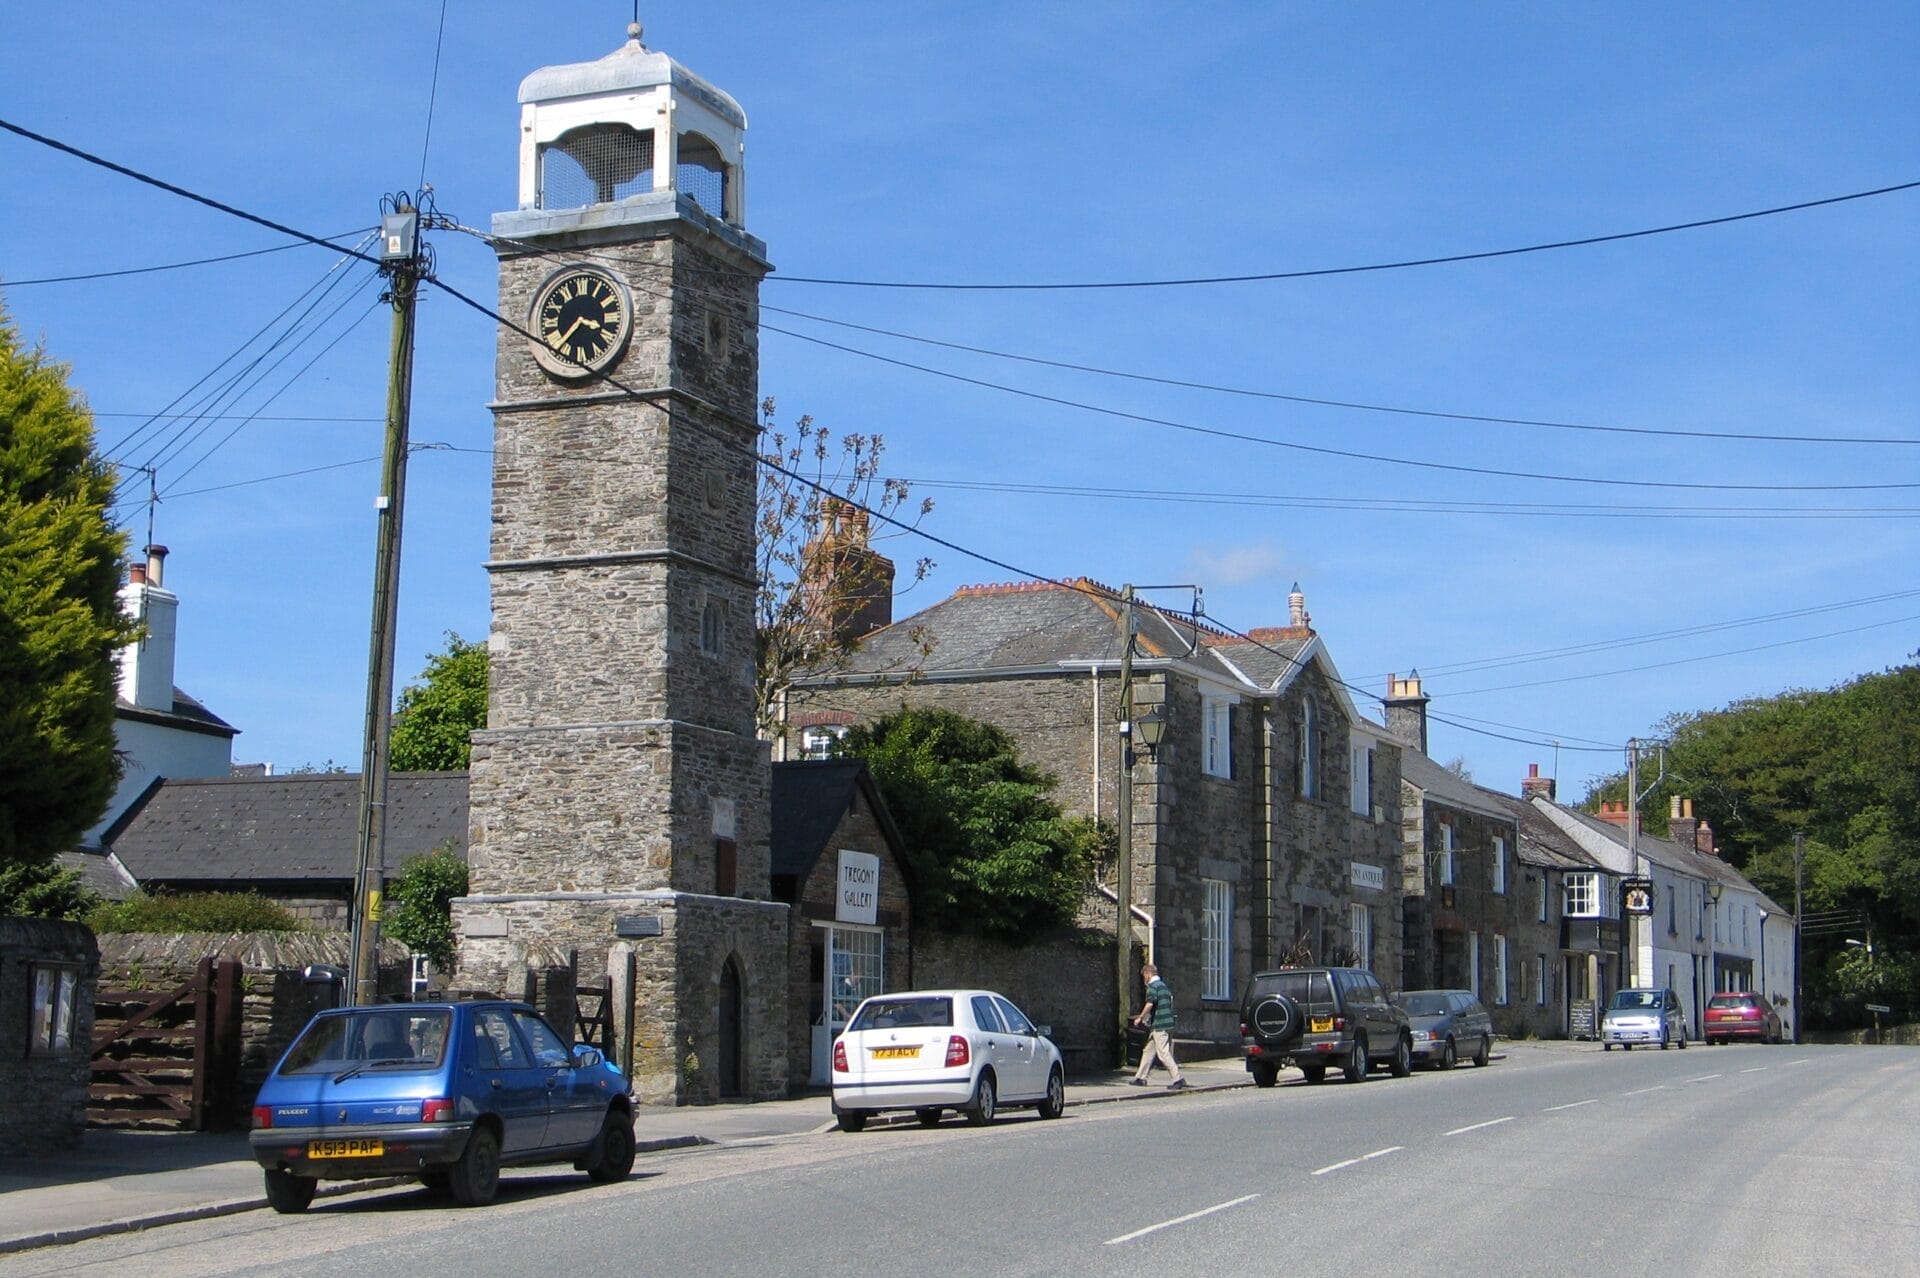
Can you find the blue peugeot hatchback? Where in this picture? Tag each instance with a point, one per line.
(448, 1092)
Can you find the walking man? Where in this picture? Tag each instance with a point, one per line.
(1157, 1016)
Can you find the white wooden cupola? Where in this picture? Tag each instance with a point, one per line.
(634, 125)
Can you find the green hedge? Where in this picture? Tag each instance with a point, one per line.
(194, 912)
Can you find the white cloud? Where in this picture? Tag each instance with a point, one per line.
(1235, 565)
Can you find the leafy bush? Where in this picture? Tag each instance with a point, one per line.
(194, 912)
(420, 904)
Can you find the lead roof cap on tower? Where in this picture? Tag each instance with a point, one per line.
(631, 66)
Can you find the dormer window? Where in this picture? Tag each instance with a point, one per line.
(596, 164)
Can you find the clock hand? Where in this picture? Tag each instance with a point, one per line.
(561, 339)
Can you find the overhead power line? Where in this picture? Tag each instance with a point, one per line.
(1401, 264)
(1412, 505)
(1358, 406)
(176, 266)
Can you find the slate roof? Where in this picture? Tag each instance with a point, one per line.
(187, 714)
(1542, 843)
(1450, 788)
(810, 798)
(99, 870)
(1680, 857)
(1033, 625)
(278, 829)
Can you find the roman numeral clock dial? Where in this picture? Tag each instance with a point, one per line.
(580, 320)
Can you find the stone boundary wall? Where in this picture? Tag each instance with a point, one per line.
(276, 1000)
(1065, 982)
(46, 1094)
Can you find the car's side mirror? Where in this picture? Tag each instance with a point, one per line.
(1043, 1031)
(585, 1056)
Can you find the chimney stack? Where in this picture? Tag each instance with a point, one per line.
(1681, 826)
(1614, 812)
(1534, 784)
(1406, 708)
(146, 664)
(848, 586)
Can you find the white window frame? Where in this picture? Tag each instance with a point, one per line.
(1216, 751)
(1360, 932)
(1361, 756)
(1500, 990)
(856, 967)
(1309, 778)
(822, 740)
(1499, 866)
(1446, 854)
(1216, 940)
(1580, 895)
(50, 1025)
(1473, 963)
(1540, 979)
(1543, 894)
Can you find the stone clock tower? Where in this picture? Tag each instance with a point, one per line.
(619, 794)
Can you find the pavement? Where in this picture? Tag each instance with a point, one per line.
(119, 1181)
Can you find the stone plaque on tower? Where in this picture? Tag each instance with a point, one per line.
(619, 777)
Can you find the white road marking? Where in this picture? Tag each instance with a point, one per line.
(1802, 1061)
(1644, 1090)
(1757, 1069)
(1354, 1162)
(1181, 1220)
(1704, 1078)
(1572, 1105)
(1491, 1122)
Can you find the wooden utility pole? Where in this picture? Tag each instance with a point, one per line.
(403, 264)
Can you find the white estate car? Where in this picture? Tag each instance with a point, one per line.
(935, 1050)
(1644, 1016)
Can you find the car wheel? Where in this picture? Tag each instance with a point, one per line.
(850, 1120)
(1663, 1040)
(1356, 1067)
(1402, 1063)
(1314, 1073)
(616, 1149)
(1449, 1056)
(980, 1113)
(1483, 1053)
(289, 1194)
(1606, 1047)
(928, 1117)
(1055, 1103)
(476, 1177)
(1683, 1040)
(1266, 1075)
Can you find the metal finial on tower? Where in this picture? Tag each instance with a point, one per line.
(634, 29)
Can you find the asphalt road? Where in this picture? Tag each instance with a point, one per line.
(1745, 1159)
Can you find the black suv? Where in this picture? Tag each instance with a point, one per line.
(1314, 1017)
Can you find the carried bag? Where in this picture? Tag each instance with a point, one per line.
(1137, 1036)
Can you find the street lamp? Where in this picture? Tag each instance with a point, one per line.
(1152, 727)
(1714, 888)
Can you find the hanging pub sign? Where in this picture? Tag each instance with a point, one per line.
(1636, 896)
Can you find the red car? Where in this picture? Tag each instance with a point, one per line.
(1739, 1014)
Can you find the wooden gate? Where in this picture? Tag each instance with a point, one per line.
(168, 1059)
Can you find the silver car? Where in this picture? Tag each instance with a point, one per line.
(1646, 1017)
(1447, 1024)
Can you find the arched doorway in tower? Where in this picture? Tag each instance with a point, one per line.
(732, 1006)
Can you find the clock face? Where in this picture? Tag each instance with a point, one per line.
(580, 319)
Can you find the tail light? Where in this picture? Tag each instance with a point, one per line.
(839, 1057)
(958, 1053)
(436, 1110)
(262, 1116)
(1340, 1023)
(1243, 1030)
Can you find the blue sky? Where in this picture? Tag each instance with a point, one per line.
(970, 143)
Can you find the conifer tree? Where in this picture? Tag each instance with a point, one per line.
(60, 619)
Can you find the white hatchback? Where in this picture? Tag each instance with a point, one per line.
(934, 1050)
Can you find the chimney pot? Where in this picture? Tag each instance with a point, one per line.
(156, 563)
